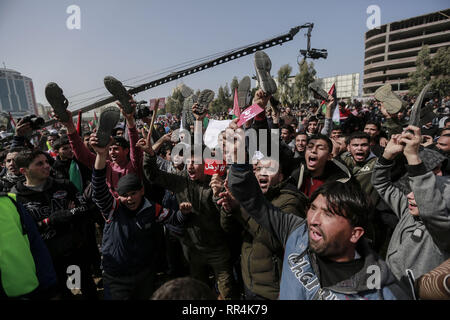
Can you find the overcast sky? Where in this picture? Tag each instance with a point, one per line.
(131, 38)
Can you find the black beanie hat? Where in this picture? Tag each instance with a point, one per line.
(128, 183)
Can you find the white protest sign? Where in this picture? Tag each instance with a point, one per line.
(215, 127)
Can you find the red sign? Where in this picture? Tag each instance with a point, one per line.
(212, 167)
(162, 103)
(249, 114)
(152, 104)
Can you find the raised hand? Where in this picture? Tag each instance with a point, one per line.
(393, 147)
(411, 138)
(146, 144)
(102, 151)
(426, 140)
(216, 184)
(23, 128)
(70, 126)
(227, 201)
(261, 98)
(186, 207)
(196, 112)
(383, 142)
(129, 117)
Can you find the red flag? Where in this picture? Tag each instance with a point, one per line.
(79, 123)
(236, 109)
(12, 122)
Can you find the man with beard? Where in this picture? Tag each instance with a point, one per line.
(327, 257)
(262, 253)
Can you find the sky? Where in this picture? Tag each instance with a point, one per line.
(127, 39)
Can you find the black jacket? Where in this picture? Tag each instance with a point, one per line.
(61, 231)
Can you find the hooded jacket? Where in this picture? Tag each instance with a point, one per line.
(418, 243)
(301, 277)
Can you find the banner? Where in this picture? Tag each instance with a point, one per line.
(249, 114)
(212, 167)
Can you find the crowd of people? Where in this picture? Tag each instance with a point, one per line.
(358, 209)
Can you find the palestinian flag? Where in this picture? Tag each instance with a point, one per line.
(12, 123)
(79, 123)
(332, 92)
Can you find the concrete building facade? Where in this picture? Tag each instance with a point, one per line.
(391, 50)
(16, 94)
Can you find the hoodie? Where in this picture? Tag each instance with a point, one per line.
(418, 243)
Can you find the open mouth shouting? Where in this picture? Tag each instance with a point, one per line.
(312, 161)
(360, 156)
(263, 182)
(315, 234)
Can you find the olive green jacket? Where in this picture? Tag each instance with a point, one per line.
(262, 253)
(203, 229)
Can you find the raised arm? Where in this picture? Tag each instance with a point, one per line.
(101, 195)
(173, 182)
(328, 124)
(381, 178)
(81, 152)
(245, 189)
(136, 155)
(430, 198)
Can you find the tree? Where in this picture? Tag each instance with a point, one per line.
(227, 95)
(302, 81)
(174, 103)
(434, 70)
(419, 78)
(440, 70)
(284, 90)
(223, 100)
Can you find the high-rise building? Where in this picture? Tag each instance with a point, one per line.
(16, 93)
(391, 50)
